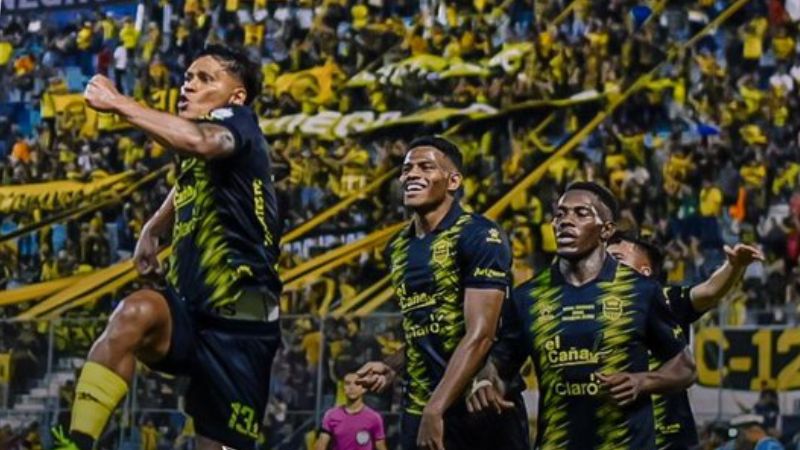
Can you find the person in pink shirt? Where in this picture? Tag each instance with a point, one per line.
(354, 425)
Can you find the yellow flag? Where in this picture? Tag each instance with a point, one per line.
(5, 367)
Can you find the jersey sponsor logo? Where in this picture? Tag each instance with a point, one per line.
(258, 199)
(441, 251)
(570, 389)
(612, 308)
(362, 437)
(579, 312)
(494, 236)
(489, 273)
(416, 301)
(221, 113)
(572, 356)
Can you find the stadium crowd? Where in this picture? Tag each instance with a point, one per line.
(705, 155)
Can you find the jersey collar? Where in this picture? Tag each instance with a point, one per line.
(607, 273)
(448, 221)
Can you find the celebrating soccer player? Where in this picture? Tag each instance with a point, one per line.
(217, 320)
(450, 272)
(675, 427)
(589, 322)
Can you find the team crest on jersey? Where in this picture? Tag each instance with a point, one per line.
(494, 236)
(441, 251)
(221, 113)
(362, 437)
(547, 313)
(612, 308)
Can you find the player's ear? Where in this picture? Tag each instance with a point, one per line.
(647, 271)
(238, 97)
(608, 230)
(454, 181)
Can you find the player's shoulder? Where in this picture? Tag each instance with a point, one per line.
(478, 221)
(477, 226)
(644, 285)
(526, 289)
(230, 112)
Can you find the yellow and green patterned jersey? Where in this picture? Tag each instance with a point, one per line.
(608, 325)
(675, 425)
(430, 275)
(226, 231)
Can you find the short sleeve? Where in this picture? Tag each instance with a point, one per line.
(664, 336)
(239, 120)
(378, 434)
(327, 422)
(511, 348)
(485, 257)
(679, 299)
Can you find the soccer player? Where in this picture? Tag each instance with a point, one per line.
(450, 271)
(353, 426)
(216, 322)
(589, 323)
(675, 427)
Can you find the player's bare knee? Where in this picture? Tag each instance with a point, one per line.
(135, 318)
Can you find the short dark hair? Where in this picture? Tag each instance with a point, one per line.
(443, 145)
(651, 247)
(602, 193)
(238, 64)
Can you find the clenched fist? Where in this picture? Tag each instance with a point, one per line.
(101, 94)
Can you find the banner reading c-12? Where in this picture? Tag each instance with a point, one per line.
(748, 359)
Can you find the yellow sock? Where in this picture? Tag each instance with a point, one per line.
(96, 396)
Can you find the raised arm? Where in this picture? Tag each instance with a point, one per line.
(204, 140)
(707, 295)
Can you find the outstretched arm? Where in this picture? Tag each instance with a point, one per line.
(204, 140)
(707, 295)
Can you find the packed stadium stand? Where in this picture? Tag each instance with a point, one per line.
(688, 110)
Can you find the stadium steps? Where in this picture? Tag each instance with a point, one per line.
(44, 396)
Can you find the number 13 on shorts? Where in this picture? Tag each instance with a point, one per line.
(243, 420)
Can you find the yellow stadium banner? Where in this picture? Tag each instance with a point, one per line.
(36, 291)
(751, 358)
(57, 195)
(74, 116)
(5, 367)
(330, 125)
(86, 286)
(316, 83)
(509, 59)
